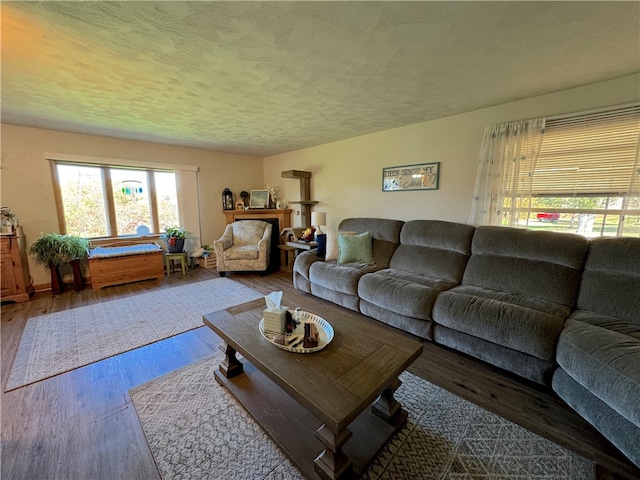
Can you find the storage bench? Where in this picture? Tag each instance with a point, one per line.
(115, 265)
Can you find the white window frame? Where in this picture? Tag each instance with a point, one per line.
(186, 189)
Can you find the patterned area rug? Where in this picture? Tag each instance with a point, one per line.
(197, 430)
(58, 342)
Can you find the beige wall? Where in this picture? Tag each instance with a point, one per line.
(346, 175)
(27, 188)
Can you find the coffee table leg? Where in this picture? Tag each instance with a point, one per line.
(388, 408)
(332, 463)
(230, 366)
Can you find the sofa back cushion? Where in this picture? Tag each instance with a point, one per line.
(434, 248)
(385, 236)
(545, 265)
(611, 278)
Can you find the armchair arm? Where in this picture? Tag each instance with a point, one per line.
(224, 242)
(264, 245)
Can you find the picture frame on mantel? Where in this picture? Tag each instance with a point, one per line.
(421, 176)
(259, 199)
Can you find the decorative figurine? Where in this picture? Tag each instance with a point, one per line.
(310, 335)
(288, 326)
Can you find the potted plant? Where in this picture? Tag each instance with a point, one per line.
(174, 236)
(54, 249)
(7, 220)
(207, 257)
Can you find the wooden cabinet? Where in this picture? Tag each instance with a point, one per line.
(15, 278)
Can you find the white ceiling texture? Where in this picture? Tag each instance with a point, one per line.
(262, 78)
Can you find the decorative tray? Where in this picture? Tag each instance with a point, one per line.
(325, 334)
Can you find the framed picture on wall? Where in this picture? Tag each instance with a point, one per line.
(259, 199)
(423, 176)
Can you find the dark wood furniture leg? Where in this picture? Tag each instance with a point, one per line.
(388, 408)
(230, 366)
(332, 463)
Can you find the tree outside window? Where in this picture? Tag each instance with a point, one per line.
(105, 201)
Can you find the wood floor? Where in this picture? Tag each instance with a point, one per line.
(81, 425)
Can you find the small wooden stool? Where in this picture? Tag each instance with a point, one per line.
(170, 257)
(287, 256)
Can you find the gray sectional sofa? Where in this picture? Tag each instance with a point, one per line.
(554, 308)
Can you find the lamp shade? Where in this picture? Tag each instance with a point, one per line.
(318, 218)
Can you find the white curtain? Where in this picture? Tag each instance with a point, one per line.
(631, 202)
(188, 207)
(505, 170)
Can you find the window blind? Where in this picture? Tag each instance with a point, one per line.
(591, 154)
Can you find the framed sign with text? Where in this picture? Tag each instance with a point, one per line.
(423, 176)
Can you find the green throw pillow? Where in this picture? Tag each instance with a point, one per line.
(355, 248)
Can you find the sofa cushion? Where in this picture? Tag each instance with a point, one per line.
(523, 323)
(322, 244)
(332, 249)
(617, 429)
(605, 321)
(405, 293)
(341, 278)
(611, 278)
(416, 326)
(522, 364)
(434, 248)
(385, 236)
(606, 363)
(355, 248)
(346, 300)
(553, 263)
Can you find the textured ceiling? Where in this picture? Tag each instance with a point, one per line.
(263, 78)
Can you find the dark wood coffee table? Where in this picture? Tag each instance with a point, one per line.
(299, 399)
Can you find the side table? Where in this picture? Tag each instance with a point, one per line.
(170, 257)
(287, 256)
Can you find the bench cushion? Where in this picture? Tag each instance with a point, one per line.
(124, 250)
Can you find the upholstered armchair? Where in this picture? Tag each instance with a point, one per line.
(245, 245)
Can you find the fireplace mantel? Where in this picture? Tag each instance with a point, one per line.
(283, 215)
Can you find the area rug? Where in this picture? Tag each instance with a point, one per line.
(58, 342)
(197, 430)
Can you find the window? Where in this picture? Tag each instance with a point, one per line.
(109, 201)
(586, 177)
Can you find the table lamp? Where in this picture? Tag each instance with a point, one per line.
(317, 219)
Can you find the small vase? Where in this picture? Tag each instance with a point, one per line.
(177, 247)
